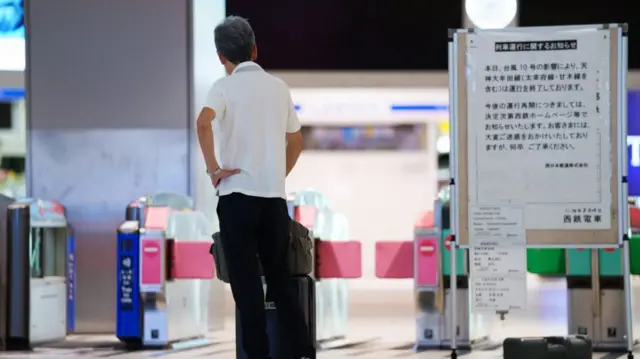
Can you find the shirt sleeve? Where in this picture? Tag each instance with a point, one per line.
(293, 122)
(216, 102)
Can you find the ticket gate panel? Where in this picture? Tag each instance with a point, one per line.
(128, 306)
(612, 318)
(48, 285)
(462, 325)
(610, 262)
(186, 312)
(634, 249)
(581, 311)
(47, 318)
(429, 322)
(578, 262)
(446, 249)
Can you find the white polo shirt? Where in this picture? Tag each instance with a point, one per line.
(254, 111)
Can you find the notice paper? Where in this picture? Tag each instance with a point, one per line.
(498, 259)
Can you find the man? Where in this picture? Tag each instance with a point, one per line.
(260, 142)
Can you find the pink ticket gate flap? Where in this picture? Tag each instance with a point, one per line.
(634, 218)
(394, 259)
(189, 260)
(156, 217)
(426, 262)
(306, 215)
(152, 266)
(338, 259)
(447, 242)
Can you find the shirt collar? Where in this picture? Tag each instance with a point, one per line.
(246, 65)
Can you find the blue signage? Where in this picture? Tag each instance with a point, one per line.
(128, 316)
(71, 282)
(633, 141)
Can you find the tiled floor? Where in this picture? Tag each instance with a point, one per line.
(369, 337)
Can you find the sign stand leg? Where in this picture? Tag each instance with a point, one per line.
(627, 297)
(454, 298)
(453, 275)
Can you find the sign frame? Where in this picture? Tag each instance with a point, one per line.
(618, 101)
(460, 78)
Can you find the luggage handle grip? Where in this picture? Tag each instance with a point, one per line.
(555, 340)
(562, 340)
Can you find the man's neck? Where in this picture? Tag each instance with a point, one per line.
(229, 67)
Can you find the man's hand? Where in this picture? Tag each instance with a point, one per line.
(217, 177)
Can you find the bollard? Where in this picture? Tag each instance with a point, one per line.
(132, 212)
(18, 276)
(4, 204)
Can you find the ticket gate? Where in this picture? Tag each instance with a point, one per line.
(40, 272)
(180, 202)
(332, 296)
(163, 280)
(433, 291)
(427, 259)
(337, 260)
(596, 303)
(172, 200)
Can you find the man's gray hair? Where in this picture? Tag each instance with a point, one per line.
(234, 39)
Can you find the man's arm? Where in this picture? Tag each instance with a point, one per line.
(205, 138)
(294, 149)
(214, 107)
(295, 143)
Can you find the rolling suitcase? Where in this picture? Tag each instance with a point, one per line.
(279, 345)
(570, 347)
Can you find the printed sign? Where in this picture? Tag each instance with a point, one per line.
(125, 290)
(497, 257)
(152, 270)
(496, 293)
(71, 283)
(493, 259)
(427, 257)
(538, 126)
(45, 213)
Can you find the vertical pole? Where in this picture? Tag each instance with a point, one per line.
(454, 300)
(627, 297)
(453, 287)
(623, 205)
(18, 276)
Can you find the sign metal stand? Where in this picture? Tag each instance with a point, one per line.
(538, 152)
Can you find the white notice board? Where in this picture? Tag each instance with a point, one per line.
(537, 127)
(537, 136)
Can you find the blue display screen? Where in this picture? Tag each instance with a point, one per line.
(12, 44)
(633, 141)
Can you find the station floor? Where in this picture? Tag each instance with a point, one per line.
(376, 334)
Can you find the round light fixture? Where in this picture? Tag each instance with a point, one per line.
(443, 144)
(491, 14)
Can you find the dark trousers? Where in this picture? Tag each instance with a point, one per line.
(252, 228)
